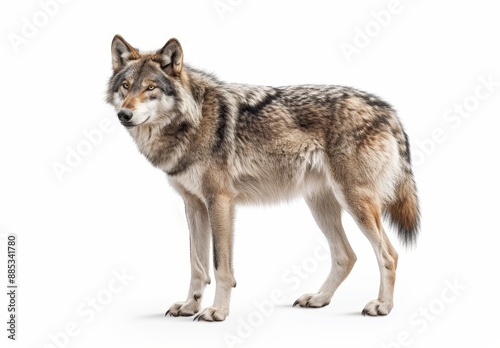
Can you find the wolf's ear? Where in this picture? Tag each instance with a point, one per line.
(172, 57)
(122, 52)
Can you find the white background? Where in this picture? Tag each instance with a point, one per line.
(115, 212)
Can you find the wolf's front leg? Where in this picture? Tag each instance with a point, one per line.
(199, 241)
(220, 211)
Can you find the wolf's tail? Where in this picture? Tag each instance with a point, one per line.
(403, 211)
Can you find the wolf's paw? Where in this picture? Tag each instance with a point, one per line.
(377, 307)
(184, 309)
(313, 301)
(212, 314)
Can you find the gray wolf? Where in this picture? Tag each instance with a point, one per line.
(224, 144)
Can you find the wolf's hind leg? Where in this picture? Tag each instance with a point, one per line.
(327, 213)
(367, 211)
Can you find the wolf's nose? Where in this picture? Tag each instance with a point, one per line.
(125, 115)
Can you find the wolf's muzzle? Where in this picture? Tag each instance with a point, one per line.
(125, 115)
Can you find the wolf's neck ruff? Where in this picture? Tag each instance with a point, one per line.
(165, 145)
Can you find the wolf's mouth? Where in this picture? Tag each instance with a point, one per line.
(132, 125)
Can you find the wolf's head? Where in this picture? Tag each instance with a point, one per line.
(147, 88)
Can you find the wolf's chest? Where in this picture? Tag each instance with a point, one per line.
(190, 180)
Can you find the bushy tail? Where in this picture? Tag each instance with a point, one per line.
(404, 212)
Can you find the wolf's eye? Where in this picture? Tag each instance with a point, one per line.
(125, 85)
(150, 88)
